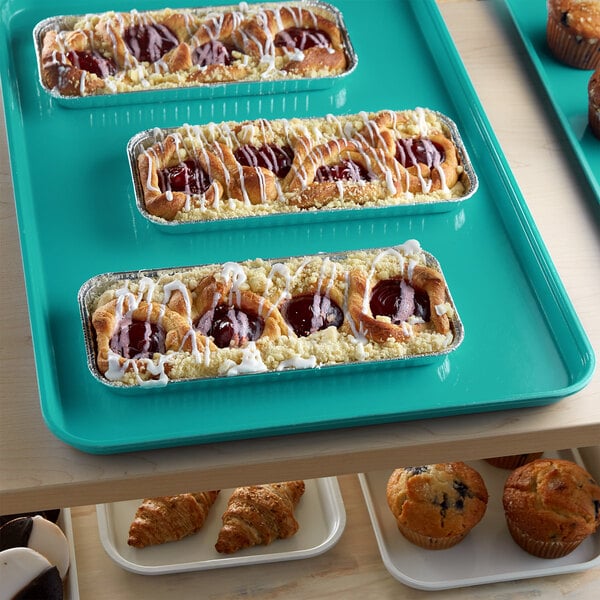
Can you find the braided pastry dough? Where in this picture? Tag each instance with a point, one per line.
(169, 518)
(258, 316)
(114, 52)
(379, 330)
(258, 515)
(287, 165)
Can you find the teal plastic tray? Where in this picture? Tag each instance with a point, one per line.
(523, 344)
(566, 87)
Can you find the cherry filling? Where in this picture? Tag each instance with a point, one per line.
(230, 326)
(396, 299)
(300, 38)
(138, 339)
(308, 313)
(345, 170)
(149, 43)
(411, 151)
(276, 159)
(212, 53)
(186, 177)
(93, 62)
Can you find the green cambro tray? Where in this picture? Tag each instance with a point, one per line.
(566, 87)
(523, 344)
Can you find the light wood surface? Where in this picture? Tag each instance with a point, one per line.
(38, 471)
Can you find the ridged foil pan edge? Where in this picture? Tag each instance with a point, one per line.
(95, 286)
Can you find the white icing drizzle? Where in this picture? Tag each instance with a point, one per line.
(297, 362)
(251, 362)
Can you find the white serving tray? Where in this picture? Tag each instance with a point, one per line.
(320, 513)
(487, 555)
(71, 585)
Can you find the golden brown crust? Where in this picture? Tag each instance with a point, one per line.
(438, 502)
(310, 193)
(211, 293)
(258, 515)
(552, 500)
(167, 204)
(107, 318)
(58, 72)
(257, 35)
(380, 330)
(169, 518)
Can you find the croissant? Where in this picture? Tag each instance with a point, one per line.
(259, 514)
(169, 518)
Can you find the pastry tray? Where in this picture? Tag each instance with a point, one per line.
(96, 286)
(567, 87)
(204, 90)
(487, 555)
(77, 218)
(320, 514)
(140, 142)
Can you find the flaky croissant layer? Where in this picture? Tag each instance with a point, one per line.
(169, 518)
(258, 515)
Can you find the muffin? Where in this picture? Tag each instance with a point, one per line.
(437, 505)
(513, 461)
(594, 102)
(573, 32)
(551, 506)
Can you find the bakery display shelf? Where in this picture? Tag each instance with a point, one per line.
(487, 555)
(565, 86)
(320, 514)
(523, 344)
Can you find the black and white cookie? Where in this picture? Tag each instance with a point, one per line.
(27, 575)
(40, 535)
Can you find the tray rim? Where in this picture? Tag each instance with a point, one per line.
(395, 569)
(428, 12)
(328, 491)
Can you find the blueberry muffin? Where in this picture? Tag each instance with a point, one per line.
(513, 461)
(573, 32)
(437, 505)
(551, 506)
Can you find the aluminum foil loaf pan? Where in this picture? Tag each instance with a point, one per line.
(112, 58)
(267, 172)
(304, 314)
